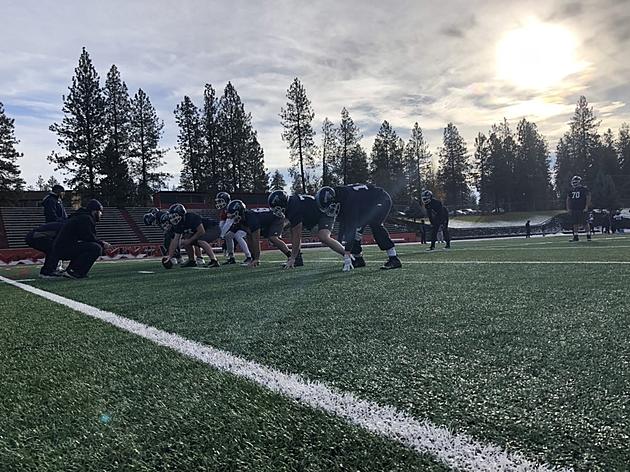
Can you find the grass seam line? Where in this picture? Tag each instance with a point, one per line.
(456, 450)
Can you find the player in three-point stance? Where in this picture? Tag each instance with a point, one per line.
(302, 212)
(358, 206)
(257, 223)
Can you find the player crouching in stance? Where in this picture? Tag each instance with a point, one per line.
(302, 212)
(438, 216)
(358, 206)
(42, 239)
(196, 231)
(578, 201)
(257, 223)
(229, 231)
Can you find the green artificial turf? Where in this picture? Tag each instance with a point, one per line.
(80, 395)
(532, 357)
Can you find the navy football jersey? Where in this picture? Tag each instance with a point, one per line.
(259, 218)
(303, 209)
(188, 223)
(577, 197)
(436, 211)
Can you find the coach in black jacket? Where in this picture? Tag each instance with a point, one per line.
(53, 205)
(77, 241)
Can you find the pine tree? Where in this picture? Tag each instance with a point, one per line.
(481, 172)
(454, 167)
(145, 132)
(604, 192)
(51, 182)
(190, 145)
(532, 180)
(235, 130)
(10, 181)
(298, 130)
(256, 175)
(40, 184)
(348, 138)
(623, 156)
(357, 165)
(277, 181)
(386, 166)
(580, 146)
(211, 135)
(417, 158)
(329, 151)
(83, 131)
(117, 186)
(501, 159)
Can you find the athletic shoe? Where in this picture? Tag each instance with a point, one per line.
(199, 261)
(180, 260)
(190, 263)
(70, 274)
(575, 239)
(246, 261)
(392, 263)
(213, 263)
(299, 262)
(52, 275)
(230, 261)
(448, 246)
(358, 262)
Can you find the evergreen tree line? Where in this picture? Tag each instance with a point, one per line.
(10, 181)
(109, 142)
(218, 145)
(510, 170)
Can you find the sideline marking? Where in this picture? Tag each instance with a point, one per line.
(456, 450)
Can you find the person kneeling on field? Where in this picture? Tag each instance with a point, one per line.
(197, 232)
(359, 206)
(302, 212)
(257, 223)
(42, 239)
(438, 216)
(77, 241)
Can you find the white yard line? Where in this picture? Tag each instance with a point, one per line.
(458, 451)
(429, 261)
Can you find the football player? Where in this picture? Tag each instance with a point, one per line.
(438, 216)
(258, 223)
(358, 206)
(42, 239)
(160, 218)
(229, 232)
(302, 212)
(190, 230)
(578, 201)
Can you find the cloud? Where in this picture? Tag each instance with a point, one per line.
(403, 61)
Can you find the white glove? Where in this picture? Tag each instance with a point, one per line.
(347, 264)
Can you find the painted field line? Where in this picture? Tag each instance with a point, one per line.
(377, 261)
(458, 451)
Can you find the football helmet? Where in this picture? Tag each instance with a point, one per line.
(151, 217)
(325, 200)
(426, 196)
(278, 201)
(235, 210)
(176, 213)
(164, 220)
(576, 180)
(222, 199)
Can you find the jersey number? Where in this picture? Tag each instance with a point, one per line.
(360, 187)
(575, 195)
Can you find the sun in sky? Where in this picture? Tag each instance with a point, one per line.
(537, 56)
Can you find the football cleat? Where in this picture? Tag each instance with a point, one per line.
(230, 261)
(358, 261)
(392, 263)
(246, 262)
(213, 263)
(190, 263)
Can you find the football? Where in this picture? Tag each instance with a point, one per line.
(167, 263)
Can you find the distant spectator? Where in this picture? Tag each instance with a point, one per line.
(53, 205)
(612, 222)
(542, 229)
(617, 219)
(591, 222)
(423, 232)
(528, 229)
(605, 222)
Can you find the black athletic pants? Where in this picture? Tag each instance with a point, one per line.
(375, 217)
(435, 227)
(82, 256)
(43, 244)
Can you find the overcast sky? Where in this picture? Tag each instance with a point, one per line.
(402, 61)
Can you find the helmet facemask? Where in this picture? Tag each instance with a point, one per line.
(220, 203)
(278, 211)
(333, 209)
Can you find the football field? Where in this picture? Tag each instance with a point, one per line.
(496, 355)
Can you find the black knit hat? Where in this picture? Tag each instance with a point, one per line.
(94, 205)
(57, 188)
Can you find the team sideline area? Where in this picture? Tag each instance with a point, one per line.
(512, 350)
